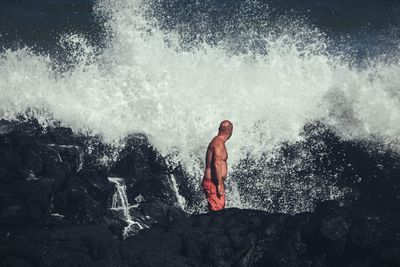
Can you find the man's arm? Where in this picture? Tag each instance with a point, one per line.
(217, 162)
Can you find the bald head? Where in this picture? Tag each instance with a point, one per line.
(225, 127)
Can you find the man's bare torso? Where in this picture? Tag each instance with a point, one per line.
(216, 145)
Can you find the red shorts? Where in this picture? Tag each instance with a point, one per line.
(214, 202)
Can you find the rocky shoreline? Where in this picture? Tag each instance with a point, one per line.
(55, 200)
(331, 236)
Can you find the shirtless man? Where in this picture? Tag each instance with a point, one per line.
(217, 168)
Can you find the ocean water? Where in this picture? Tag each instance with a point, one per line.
(174, 69)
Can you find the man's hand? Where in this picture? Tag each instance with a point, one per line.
(220, 190)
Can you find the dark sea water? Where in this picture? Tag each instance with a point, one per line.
(361, 27)
(40, 23)
(173, 69)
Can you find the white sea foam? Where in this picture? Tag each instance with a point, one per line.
(141, 83)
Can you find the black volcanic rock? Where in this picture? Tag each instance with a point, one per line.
(144, 171)
(233, 237)
(55, 198)
(36, 194)
(73, 246)
(331, 236)
(159, 211)
(85, 198)
(14, 213)
(42, 171)
(45, 171)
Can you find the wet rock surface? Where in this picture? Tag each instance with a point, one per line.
(55, 200)
(144, 170)
(48, 173)
(332, 236)
(44, 173)
(329, 237)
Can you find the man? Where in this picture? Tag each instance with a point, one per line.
(217, 168)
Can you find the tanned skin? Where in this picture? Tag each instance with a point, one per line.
(216, 157)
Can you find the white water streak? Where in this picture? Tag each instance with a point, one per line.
(120, 203)
(181, 200)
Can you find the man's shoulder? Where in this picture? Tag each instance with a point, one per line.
(216, 143)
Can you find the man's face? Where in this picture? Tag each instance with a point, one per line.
(230, 133)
